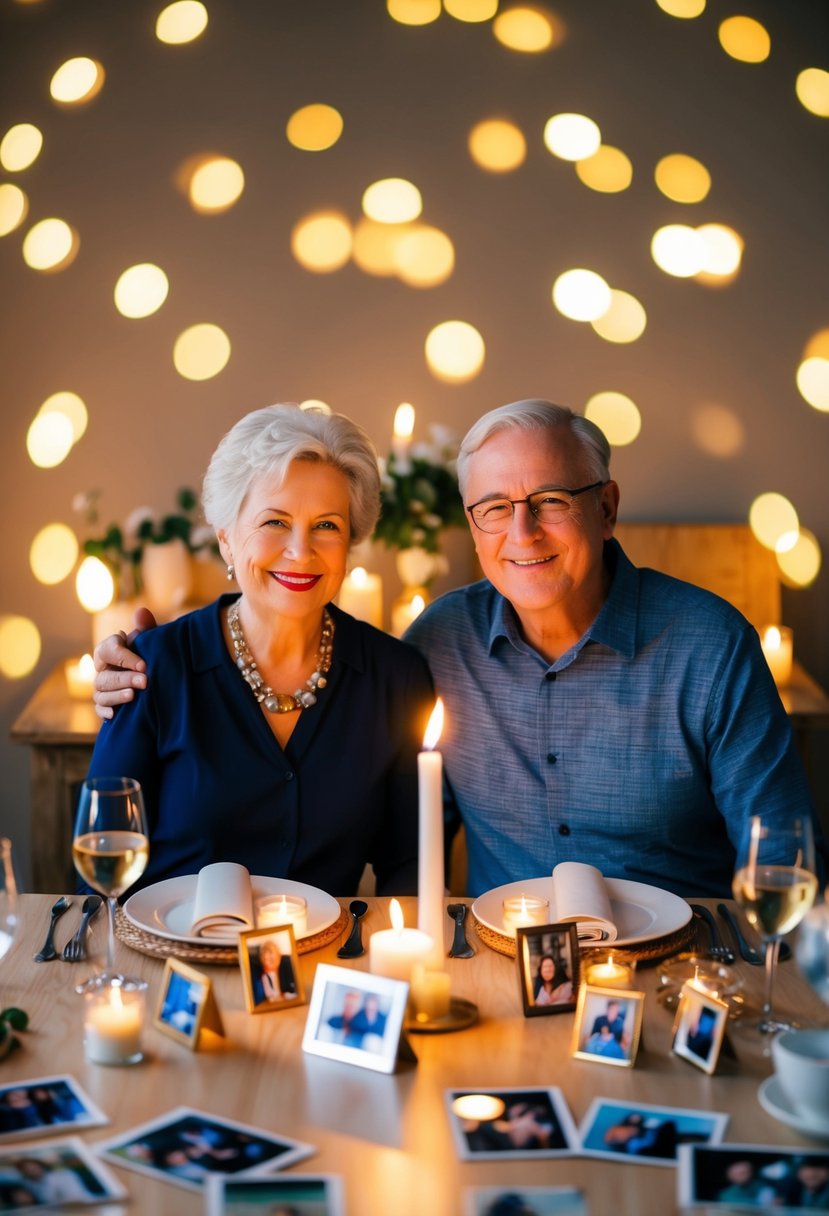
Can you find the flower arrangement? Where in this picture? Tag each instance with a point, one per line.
(419, 493)
(121, 548)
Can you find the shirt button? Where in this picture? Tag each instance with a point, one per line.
(551, 757)
(289, 776)
(563, 829)
(550, 676)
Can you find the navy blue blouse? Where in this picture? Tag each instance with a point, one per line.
(218, 786)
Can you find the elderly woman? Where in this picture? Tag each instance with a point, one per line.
(276, 730)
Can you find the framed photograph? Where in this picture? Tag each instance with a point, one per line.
(293, 1195)
(55, 1177)
(496, 1124)
(186, 1146)
(357, 1017)
(186, 1004)
(733, 1177)
(524, 1201)
(45, 1105)
(699, 1027)
(270, 969)
(547, 957)
(608, 1025)
(649, 1135)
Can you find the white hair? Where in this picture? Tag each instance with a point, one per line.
(269, 439)
(537, 415)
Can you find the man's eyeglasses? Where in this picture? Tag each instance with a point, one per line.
(550, 506)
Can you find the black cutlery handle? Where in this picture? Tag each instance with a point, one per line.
(353, 946)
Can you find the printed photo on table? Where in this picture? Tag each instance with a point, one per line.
(649, 1135)
(745, 1176)
(608, 1025)
(270, 969)
(43, 1106)
(293, 1195)
(503, 1123)
(699, 1027)
(524, 1201)
(356, 1017)
(55, 1177)
(547, 958)
(186, 1146)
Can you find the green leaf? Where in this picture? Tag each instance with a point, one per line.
(16, 1018)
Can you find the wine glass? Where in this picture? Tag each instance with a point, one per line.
(9, 918)
(111, 846)
(812, 950)
(775, 884)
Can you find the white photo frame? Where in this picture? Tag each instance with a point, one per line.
(357, 1017)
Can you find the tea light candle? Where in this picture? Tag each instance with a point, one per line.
(520, 910)
(610, 974)
(79, 677)
(394, 952)
(361, 595)
(430, 993)
(113, 1021)
(283, 910)
(778, 644)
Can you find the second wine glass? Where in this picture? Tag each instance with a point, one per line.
(111, 845)
(775, 883)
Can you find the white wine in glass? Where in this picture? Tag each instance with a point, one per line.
(775, 883)
(111, 845)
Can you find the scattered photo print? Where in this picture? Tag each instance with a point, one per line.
(737, 1177)
(502, 1123)
(45, 1105)
(646, 1134)
(54, 1177)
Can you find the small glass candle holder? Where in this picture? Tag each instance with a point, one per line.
(521, 910)
(610, 972)
(778, 645)
(283, 910)
(113, 1019)
(430, 993)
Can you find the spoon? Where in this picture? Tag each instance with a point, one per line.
(353, 946)
(48, 951)
(460, 946)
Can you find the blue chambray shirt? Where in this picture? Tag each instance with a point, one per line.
(642, 750)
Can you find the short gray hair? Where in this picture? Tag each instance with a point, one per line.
(537, 415)
(267, 440)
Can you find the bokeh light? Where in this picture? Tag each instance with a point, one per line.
(50, 245)
(455, 351)
(616, 415)
(413, 12)
(53, 553)
(481, 1107)
(215, 184)
(20, 147)
(181, 22)
(141, 290)
(771, 517)
(374, 246)
(471, 10)
(572, 136)
(528, 29)
(581, 295)
(608, 170)
(813, 382)
(94, 585)
(681, 178)
(684, 9)
(812, 88)
(818, 345)
(392, 201)
(314, 128)
(800, 565)
(49, 439)
(624, 321)
(201, 352)
(424, 256)
(679, 250)
(14, 207)
(322, 241)
(717, 430)
(723, 252)
(72, 407)
(497, 145)
(745, 39)
(19, 646)
(77, 80)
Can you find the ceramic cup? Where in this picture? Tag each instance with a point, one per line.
(801, 1061)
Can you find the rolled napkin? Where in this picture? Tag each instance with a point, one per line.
(223, 905)
(579, 894)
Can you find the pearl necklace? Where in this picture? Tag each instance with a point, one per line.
(281, 702)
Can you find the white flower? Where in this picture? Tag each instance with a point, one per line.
(418, 535)
(443, 437)
(427, 452)
(136, 518)
(202, 536)
(432, 521)
(84, 502)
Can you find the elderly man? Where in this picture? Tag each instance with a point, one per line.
(595, 712)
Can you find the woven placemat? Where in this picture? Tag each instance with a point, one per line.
(642, 952)
(163, 947)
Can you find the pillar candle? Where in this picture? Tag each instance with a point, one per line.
(361, 595)
(395, 952)
(431, 915)
(79, 677)
(777, 642)
(403, 427)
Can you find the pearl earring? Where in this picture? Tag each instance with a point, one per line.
(231, 573)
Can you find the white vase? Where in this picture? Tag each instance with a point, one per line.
(167, 577)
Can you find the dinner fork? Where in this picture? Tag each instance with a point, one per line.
(75, 949)
(716, 949)
(47, 950)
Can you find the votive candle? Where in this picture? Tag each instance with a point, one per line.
(113, 1022)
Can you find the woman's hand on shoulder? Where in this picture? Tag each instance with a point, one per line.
(119, 669)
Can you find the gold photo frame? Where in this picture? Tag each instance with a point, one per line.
(269, 964)
(699, 1027)
(608, 1025)
(186, 1005)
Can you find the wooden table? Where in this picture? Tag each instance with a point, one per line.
(387, 1136)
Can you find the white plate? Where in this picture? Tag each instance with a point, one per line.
(774, 1101)
(166, 908)
(641, 913)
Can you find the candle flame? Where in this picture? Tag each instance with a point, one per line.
(417, 605)
(404, 419)
(434, 728)
(772, 638)
(359, 576)
(396, 913)
(86, 667)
